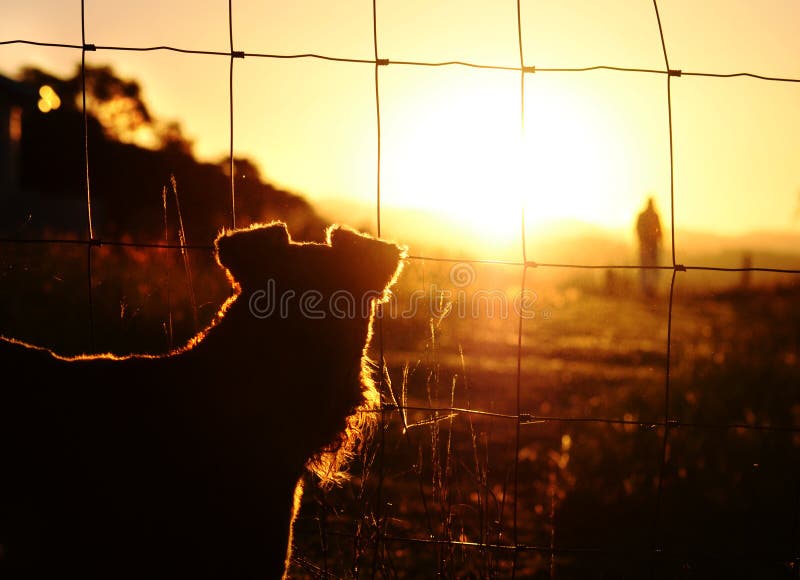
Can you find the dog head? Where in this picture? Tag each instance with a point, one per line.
(350, 262)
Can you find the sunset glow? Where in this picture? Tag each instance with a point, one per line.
(471, 160)
(595, 144)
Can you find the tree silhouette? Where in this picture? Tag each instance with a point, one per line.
(132, 156)
(117, 104)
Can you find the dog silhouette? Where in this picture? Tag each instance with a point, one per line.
(189, 465)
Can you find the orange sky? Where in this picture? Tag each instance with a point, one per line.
(596, 143)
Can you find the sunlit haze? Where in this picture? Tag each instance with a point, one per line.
(595, 144)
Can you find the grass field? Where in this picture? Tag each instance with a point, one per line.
(439, 489)
(583, 484)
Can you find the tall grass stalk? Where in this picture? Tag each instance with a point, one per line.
(168, 328)
(184, 253)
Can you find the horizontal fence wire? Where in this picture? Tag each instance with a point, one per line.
(533, 419)
(437, 413)
(97, 242)
(411, 63)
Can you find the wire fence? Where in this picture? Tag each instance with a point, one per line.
(520, 418)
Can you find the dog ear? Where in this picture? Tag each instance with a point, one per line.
(240, 251)
(376, 263)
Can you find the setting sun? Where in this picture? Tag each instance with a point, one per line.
(458, 149)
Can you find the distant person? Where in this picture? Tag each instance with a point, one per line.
(648, 230)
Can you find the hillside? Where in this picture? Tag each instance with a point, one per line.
(127, 179)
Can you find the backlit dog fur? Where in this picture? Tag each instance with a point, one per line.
(189, 465)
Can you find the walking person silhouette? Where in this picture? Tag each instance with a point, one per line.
(648, 230)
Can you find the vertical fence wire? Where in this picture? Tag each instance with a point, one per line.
(89, 224)
(231, 163)
(657, 546)
(379, 521)
(656, 525)
(669, 118)
(524, 254)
